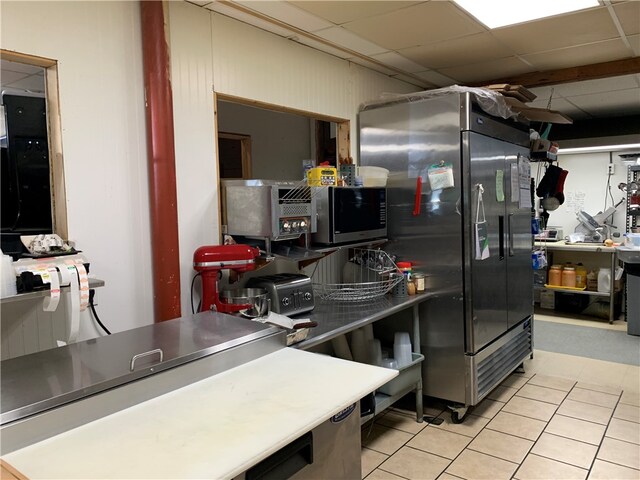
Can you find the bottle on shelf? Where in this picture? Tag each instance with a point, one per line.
(581, 276)
(555, 275)
(569, 277)
(592, 281)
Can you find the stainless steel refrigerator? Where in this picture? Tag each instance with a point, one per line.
(477, 327)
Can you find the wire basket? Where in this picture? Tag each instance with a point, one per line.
(370, 274)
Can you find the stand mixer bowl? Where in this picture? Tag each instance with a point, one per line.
(257, 298)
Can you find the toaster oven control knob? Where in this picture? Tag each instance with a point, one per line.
(303, 225)
(285, 301)
(286, 226)
(307, 296)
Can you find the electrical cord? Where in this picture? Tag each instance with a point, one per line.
(92, 293)
(191, 296)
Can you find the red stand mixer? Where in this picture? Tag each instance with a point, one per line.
(211, 260)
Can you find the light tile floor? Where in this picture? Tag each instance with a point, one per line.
(566, 417)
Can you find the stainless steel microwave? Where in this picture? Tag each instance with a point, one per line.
(350, 214)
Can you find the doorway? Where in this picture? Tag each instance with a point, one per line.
(234, 155)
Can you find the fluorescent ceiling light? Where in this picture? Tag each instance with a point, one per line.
(604, 148)
(499, 13)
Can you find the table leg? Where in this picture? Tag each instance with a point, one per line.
(419, 406)
(416, 329)
(612, 286)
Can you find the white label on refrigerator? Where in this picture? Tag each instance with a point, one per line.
(515, 186)
(524, 180)
(441, 176)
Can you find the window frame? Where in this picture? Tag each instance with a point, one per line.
(54, 132)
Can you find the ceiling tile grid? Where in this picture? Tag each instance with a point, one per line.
(435, 43)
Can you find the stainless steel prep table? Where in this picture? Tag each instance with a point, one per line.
(339, 318)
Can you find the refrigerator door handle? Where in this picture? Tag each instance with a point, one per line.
(510, 232)
(501, 235)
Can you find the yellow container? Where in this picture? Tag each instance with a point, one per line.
(322, 176)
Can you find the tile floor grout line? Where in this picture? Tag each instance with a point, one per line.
(499, 458)
(575, 439)
(387, 471)
(595, 457)
(517, 436)
(430, 453)
(543, 401)
(560, 461)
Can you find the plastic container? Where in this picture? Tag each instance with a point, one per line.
(408, 375)
(569, 277)
(632, 240)
(402, 348)
(375, 352)
(8, 276)
(555, 275)
(604, 280)
(373, 176)
(405, 268)
(581, 276)
(420, 281)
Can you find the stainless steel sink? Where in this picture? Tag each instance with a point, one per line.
(628, 255)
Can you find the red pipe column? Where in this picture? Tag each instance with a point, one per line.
(161, 160)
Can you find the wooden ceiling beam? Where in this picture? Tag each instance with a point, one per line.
(572, 74)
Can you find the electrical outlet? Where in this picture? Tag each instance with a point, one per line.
(611, 169)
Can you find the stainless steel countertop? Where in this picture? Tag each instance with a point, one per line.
(337, 318)
(50, 378)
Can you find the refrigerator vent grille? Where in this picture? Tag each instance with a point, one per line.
(503, 361)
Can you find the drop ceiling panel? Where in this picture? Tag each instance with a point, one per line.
(399, 61)
(8, 76)
(351, 41)
(33, 83)
(582, 55)
(421, 24)
(6, 65)
(289, 14)
(562, 31)
(478, 72)
(602, 85)
(343, 12)
(561, 105)
(629, 16)
(475, 48)
(620, 102)
(436, 78)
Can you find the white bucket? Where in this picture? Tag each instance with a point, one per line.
(604, 280)
(373, 176)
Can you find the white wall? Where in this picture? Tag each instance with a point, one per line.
(279, 141)
(98, 47)
(585, 188)
(210, 51)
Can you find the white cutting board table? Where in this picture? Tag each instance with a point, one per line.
(215, 428)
